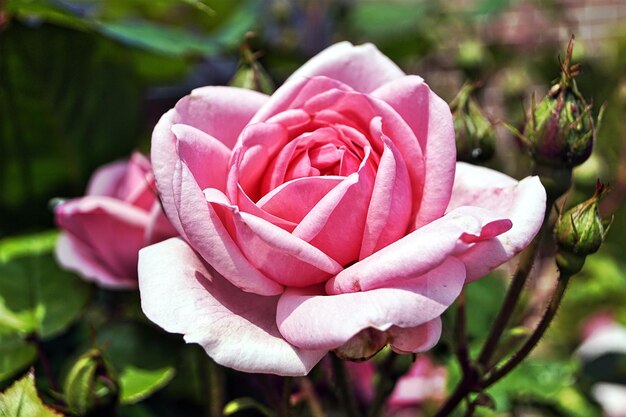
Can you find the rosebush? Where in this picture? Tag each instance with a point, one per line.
(104, 230)
(329, 216)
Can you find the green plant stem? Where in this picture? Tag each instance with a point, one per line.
(534, 338)
(216, 389)
(510, 302)
(460, 331)
(385, 385)
(345, 390)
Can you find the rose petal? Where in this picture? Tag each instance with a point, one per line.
(310, 320)
(98, 222)
(523, 202)
(430, 119)
(415, 339)
(106, 180)
(277, 253)
(74, 255)
(293, 200)
(362, 67)
(206, 157)
(182, 295)
(416, 253)
(206, 233)
(389, 209)
(159, 227)
(222, 112)
(327, 227)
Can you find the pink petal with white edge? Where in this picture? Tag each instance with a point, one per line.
(159, 227)
(206, 157)
(523, 202)
(418, 252)
(415, 339)
(222, 112)
(430, 119)
(311, 320)
(238, 330)
(362, 67)
(74, 255)
(206, 233)
(277, 253)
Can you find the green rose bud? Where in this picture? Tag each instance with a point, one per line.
(580, 232)
(475, 137)
(90, 388)
(560, 129)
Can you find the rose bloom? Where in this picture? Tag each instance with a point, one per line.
(104, 230)
(329, 216)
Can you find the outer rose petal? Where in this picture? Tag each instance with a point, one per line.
(312, 321)
(106, 180)
(228, 110)
(182, 295)
(415, 339)
(362, 67)
(74, 255)
(98, 223)
(523, 202)
(430, 118)
(418, 252)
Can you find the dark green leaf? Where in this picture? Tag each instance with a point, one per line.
(36, 296)
(15, 355)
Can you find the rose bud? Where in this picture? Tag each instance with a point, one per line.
(580, 232)
(104, 230)
(90, 387)
(475, 137)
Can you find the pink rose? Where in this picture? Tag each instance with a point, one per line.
(327, 213)
(104, 230)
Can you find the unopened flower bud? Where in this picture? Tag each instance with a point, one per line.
(250, 74)
(560, 129)
(580, 232)
(90, 388)
(475, 137)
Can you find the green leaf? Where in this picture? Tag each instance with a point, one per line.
(15, 355)
(21, 400)
(246, 403)
(138, 384)
(36, 296)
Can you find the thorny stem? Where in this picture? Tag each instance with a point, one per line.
(385, 385)
(45, 364)
(534, 338)
(345, 390)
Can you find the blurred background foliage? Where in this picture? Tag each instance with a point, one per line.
(82, 83)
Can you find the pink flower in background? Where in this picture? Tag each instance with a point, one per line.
(603, 335)
(424, 383)
(331, 215)
(104, 230)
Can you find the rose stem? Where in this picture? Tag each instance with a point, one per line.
(216, 390)
(472, 381)
(534, 338)
(385, 385)
(461, 334)
(513, 293)
(347, 396)
(311, 397)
